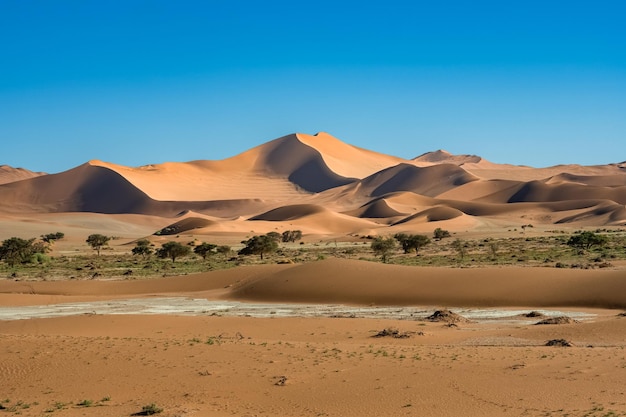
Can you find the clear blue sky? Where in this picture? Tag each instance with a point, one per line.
(136, 82)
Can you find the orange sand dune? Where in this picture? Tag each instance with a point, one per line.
(320, 171)
(375, 209)
(434, 214)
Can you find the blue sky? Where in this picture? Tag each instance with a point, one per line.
(136, 82)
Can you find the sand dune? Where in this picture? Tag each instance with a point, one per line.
(319, 171)
(364, 283)
(375, 209)
(9, 174)
(434, 214)
(444, 157)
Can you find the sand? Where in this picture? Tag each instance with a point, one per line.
(202, 364)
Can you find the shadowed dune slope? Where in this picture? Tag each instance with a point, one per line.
(290, 212)
(428, 181)
(539, 191)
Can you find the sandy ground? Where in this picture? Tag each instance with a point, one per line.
(206, 364)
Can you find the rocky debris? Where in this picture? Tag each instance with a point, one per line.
(558, 320)
(447, 316)
(559, 342)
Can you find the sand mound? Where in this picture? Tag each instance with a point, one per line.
(185, 225)
(292, 212)
(376, 209)
(435, 214)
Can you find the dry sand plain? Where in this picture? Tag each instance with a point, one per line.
(220, 365)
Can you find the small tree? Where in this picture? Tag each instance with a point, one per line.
(205, 249)
(52, 237)
(439, 233)
(259, 245)
(412, 242)
(274, 236)
(585, 240)
(16, 250)
(173, 250)
(223, 249)
(291, 235)
(97, 241)
(460, 248)
(383, 247)
(493, 249)
(142, 248)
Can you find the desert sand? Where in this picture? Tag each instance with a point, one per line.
(221, 365)
(101, 360)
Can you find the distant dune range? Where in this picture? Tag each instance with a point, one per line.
(321, 185)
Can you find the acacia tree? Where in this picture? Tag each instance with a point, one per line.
(259, 245)
(142, 248)
(52, 237)
(460, 248)
(173, 250)
(383, 247)
(205, 249)
(412, 242)
(585, 240)
(223, 249)
(440, 233)
(291, 235)
(16, 250)
(97, 241)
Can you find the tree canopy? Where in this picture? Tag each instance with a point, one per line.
(412, 242)
(291, 235)
(16, 250)
(173, 250)
(259, 245)
(585, 240)
(383, 247)
(205, 249)
(97, 241)
(143, 248)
